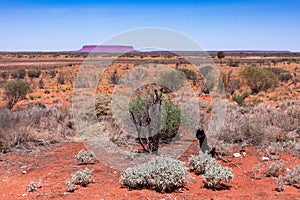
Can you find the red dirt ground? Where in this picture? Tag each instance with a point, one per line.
(55, 166)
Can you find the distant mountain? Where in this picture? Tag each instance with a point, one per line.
(107, 49)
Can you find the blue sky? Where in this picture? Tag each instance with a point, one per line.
(31, 25)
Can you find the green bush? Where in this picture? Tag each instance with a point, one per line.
(161, 174)
(172, 79)
(259, 79)
(15, 91)
(172, 118)
(34, 73)
(206, 70)
(47, 92)
(240, 98)
(190, 74)
(282, 74)
(19, 74)
(4, 75)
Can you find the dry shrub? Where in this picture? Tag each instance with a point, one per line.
(32, 126)
(259, 124)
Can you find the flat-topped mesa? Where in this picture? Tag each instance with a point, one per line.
(107, 48)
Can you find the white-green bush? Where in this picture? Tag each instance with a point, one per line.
(81, 177)
(161, 174)
(292, 176)
(215, 175)
(85, 156)
(199, 163)
(275, 168)
(32, 187)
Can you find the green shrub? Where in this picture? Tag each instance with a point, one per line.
(163, 116)
(240, 98)
(282, 74)
(161, 174)
(172, 79)
(47, 92)
(14, 91)
(171, 117)
(284, 77)
(206, 70)
(19, 74)
(190, 74)
(34, 73)
(259, 79)
(4, 75)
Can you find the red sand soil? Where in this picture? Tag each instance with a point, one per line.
(55, 166)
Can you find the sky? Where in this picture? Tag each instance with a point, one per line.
(43, 25)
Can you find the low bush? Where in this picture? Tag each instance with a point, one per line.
(282, 74)
(172, 79)
(32, 187)
(19, 74)
(15, 91)
(85, 156)
(4, 75)
(34, 73)
(80, 177)
(275, 168)
(190, 74)
(240, 98)
(292, 177)
(200, 163)
(259, 79)
(215, 176)
(172, 118)
(161, 174)
(33, 126)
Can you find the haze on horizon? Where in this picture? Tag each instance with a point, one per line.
(44, 25)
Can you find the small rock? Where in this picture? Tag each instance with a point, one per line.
(23, 167)
(265, 158)
(237, 155)
(24, 172)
